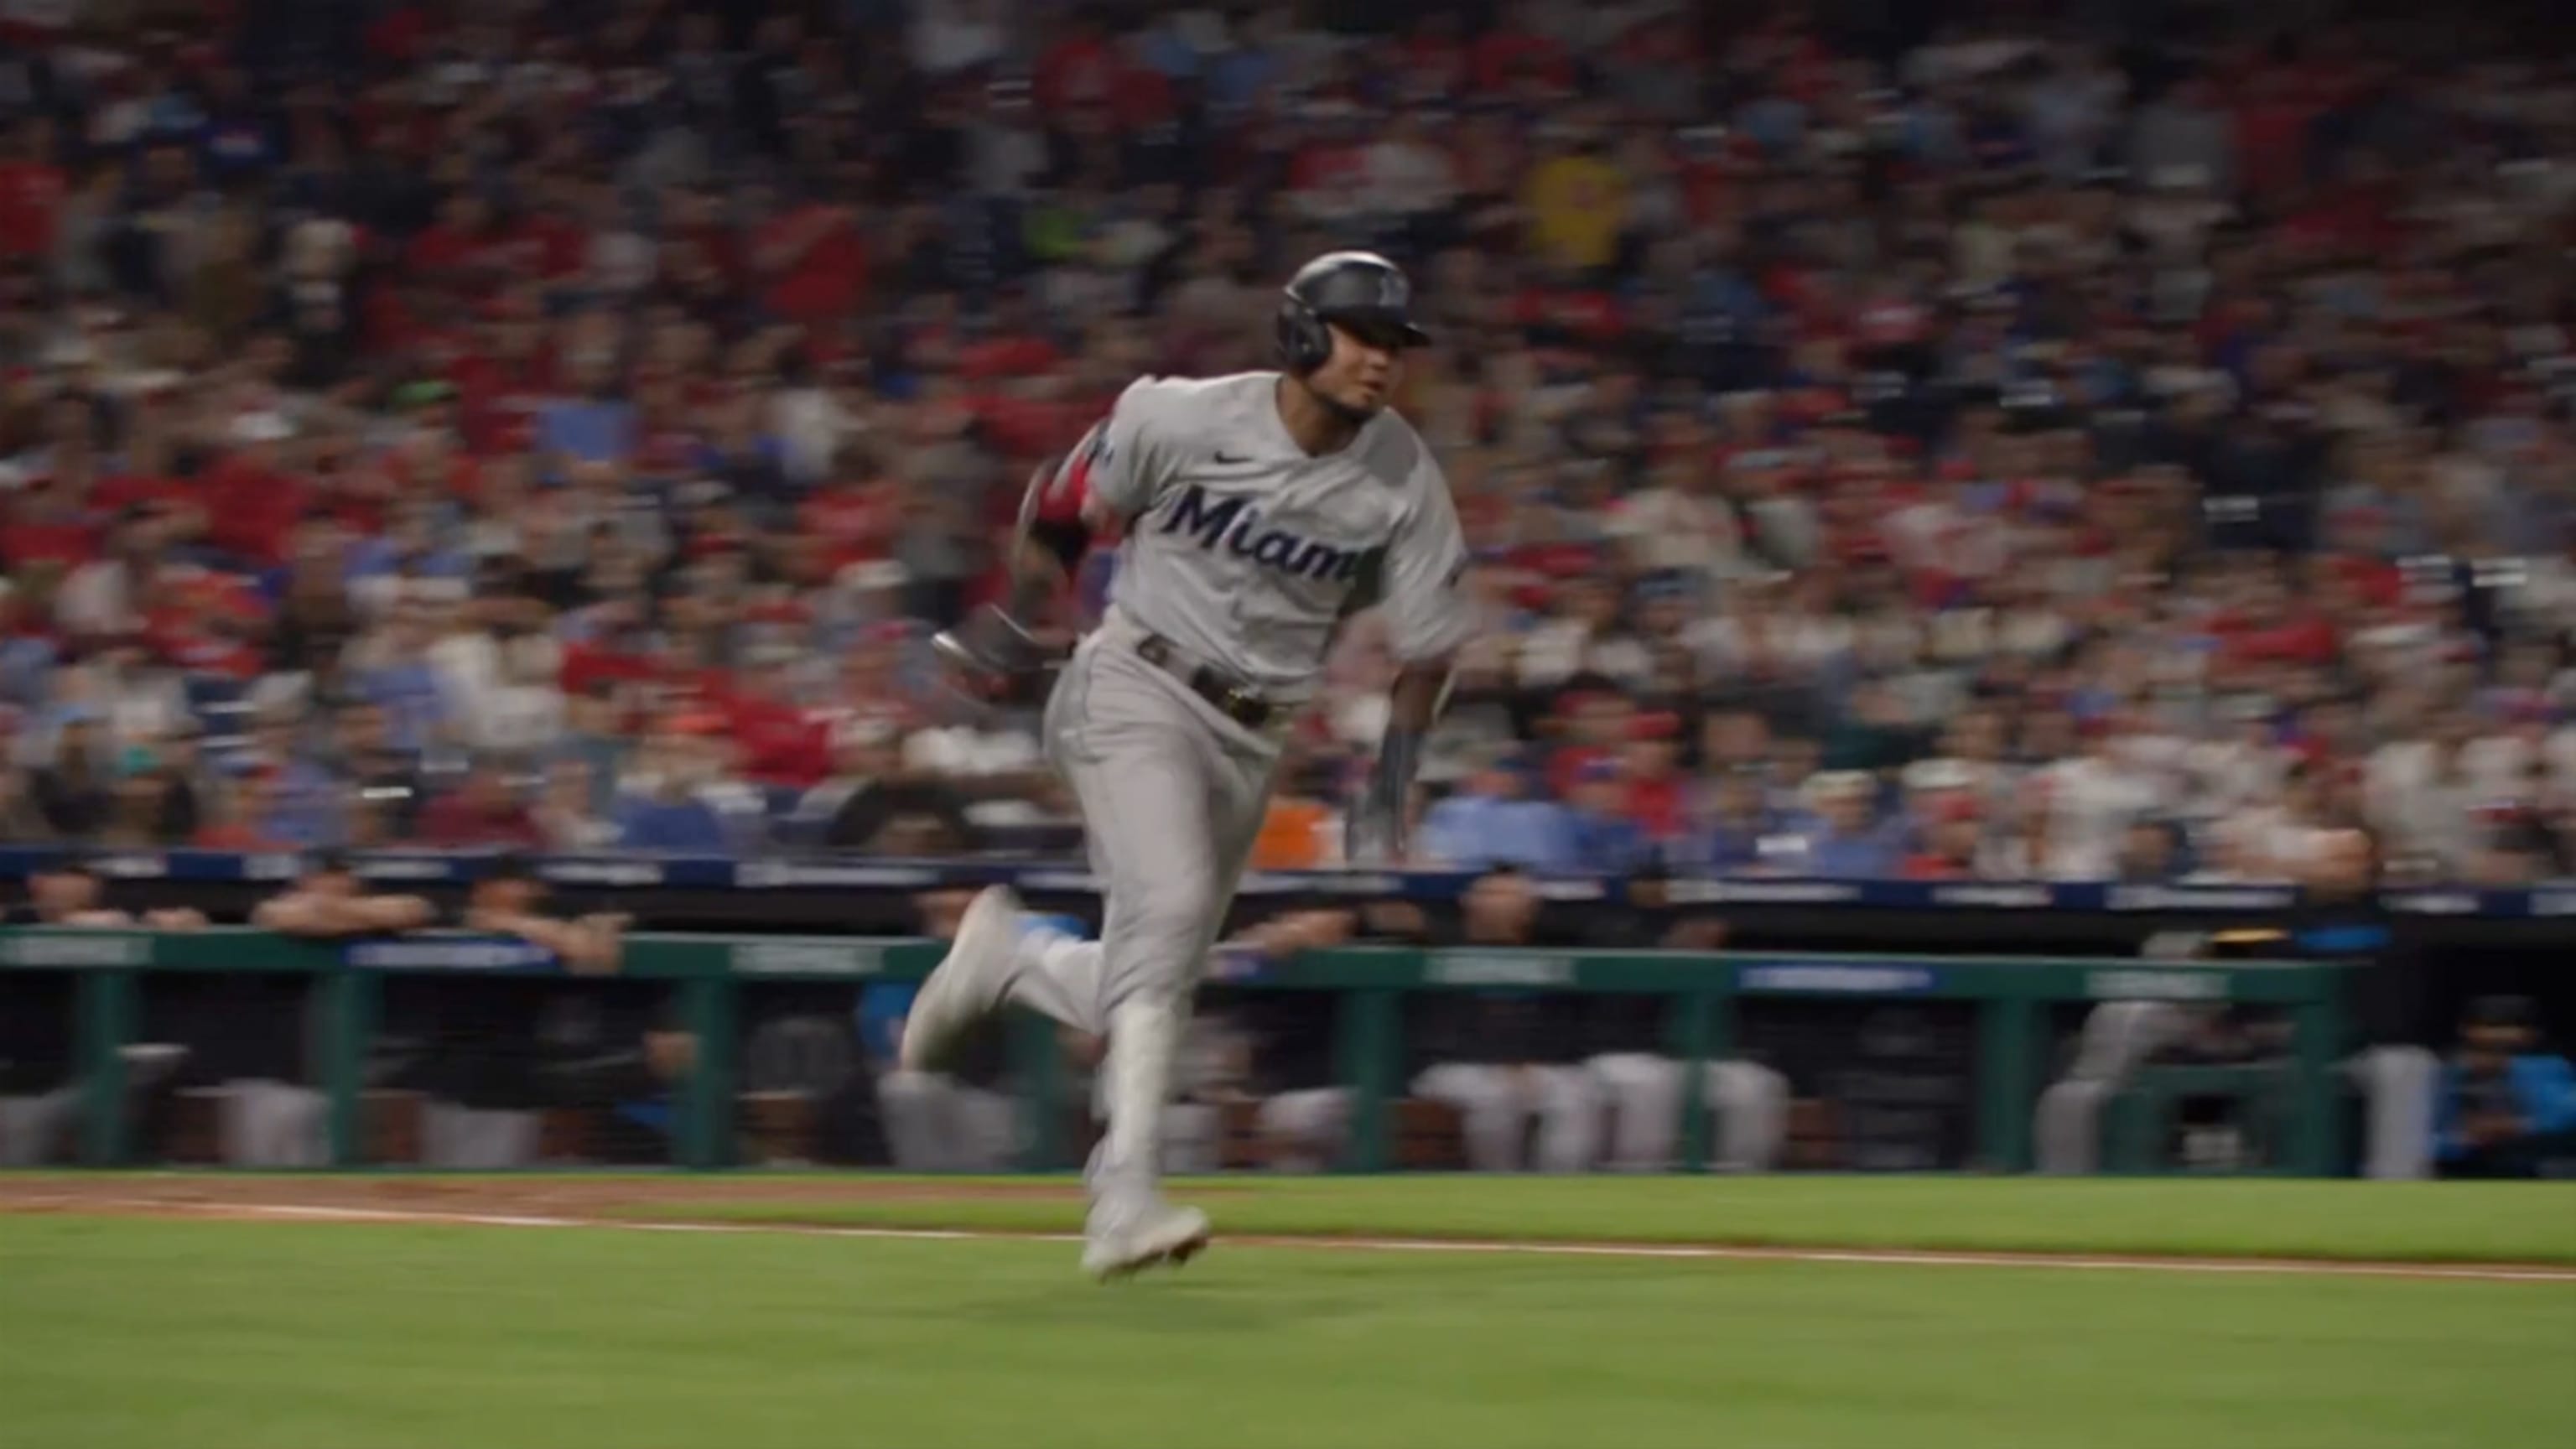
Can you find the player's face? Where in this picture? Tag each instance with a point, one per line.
(1361, 375)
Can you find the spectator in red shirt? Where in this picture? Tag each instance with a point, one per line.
(856, 521)
(813, 262)
(45, 526)
(255, 501)
(1518, 51)
(483, 811)
(31, 193)
(1080, 71)
(782, 744)
(443, 250)
(1658, 796)
(1951, 839)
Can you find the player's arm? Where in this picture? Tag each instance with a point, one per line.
(1427, 620)
(1111, 476)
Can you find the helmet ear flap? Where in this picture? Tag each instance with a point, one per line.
(1304, 342)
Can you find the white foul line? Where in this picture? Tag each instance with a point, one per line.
(1880, 1257)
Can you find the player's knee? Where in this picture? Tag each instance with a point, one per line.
(1570, 1089)
(1164, 917)
(1747, 1084)
(1315, 1112)
(2399, 1070)
(1635, 1074)
(2072, 1097)
(1448, 1082)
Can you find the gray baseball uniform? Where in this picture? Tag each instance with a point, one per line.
(1242, 554)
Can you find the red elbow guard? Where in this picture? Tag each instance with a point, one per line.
(1051, 516)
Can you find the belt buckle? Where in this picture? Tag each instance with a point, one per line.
(1245, 707)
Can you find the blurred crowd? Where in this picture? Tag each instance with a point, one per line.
(1939, 448)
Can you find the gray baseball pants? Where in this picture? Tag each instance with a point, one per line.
(1172, 795)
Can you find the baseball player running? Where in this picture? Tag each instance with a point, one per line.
(1257, 512)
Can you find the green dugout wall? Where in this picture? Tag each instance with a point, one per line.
(2010, 997)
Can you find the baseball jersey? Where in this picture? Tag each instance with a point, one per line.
(1246, 552)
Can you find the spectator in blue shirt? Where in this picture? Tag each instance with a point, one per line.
(1491, 822)
(661, 809)
(299, 804)
(1743, 829)
(588, 431)
(1846, 840)
(400, 680)
(1601, 835)
(674, 823)
(2507, 1109)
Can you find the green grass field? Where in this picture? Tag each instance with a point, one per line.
(178, 1334)
(2401, 1222)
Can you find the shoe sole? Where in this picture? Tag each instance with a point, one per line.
(980, 916)
(1177, 1254)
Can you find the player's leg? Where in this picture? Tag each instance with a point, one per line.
(988, 1130)
(1056, 972)
(1304, 1130)
(2066, 1127)
(1190, 1132)
(1488, 1099)
(1645, 1093)
(1001, 953)
(1238, 782)
(1146, 809)
(1752, 1106)
(912, 1106)
(1170, 888)
(1569, 1118)
(2400, 1087)
(1139, 757)
(2067, 1123)
(33, 1129)
(278, 1126)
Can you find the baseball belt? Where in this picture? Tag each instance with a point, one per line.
(1230, 697)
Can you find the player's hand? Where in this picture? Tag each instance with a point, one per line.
(1373, 832)
(992, 656)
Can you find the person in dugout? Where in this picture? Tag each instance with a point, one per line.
(41, 1087)
(2394, 1071)
(502, 1058)
(2507, 1108)
(1585, 1075)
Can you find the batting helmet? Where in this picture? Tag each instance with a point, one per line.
(1360, 290)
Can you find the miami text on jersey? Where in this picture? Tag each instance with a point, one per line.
(1235, 525)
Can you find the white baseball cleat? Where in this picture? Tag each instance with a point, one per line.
(968, 984)
(1139, 1239)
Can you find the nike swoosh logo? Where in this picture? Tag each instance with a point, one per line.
(1226, 457)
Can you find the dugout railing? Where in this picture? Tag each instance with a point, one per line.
(86, 1009)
